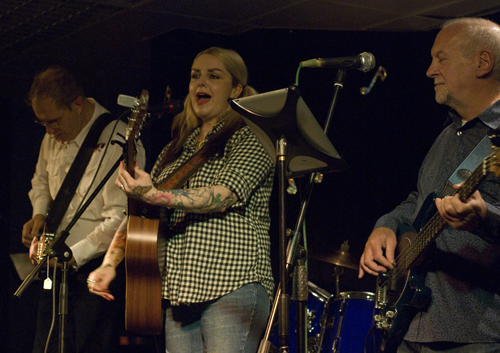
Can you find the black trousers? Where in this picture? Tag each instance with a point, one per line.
(93, 324)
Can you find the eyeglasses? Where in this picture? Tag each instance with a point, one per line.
(54, 124)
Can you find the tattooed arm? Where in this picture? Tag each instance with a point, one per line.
(99, 280)
(116, 250)
(199, 200)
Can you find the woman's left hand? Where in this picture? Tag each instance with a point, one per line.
(140, 188)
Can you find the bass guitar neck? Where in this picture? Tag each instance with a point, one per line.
(401, 292)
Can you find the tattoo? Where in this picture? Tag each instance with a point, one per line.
(116, 250)
(223, 204)
(142, 190)
(160, 198)
(193, 200)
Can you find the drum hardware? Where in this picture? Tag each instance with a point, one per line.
(349, 327)
(337, 272)
(337, 257)
(342, 324)
(318, 302)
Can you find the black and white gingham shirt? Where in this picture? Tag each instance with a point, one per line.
(210, 255)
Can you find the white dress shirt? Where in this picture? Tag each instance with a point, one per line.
(92, 233)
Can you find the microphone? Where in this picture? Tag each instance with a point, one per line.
(173, 107)
(364, 62)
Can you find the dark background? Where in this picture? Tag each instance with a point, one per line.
(383, 136)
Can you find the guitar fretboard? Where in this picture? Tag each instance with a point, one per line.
(437, 224)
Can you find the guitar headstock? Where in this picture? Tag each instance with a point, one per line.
(494, 159)
(490, 164)
(136, 119)
(135, 123)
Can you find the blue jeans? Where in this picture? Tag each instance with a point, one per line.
(447, 347)
(233, 323)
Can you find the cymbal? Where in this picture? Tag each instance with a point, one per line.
(336, 257)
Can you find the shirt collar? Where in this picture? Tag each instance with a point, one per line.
(489, 117)
(191, 140)
(83, 133)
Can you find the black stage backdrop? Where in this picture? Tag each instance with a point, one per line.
(383, 136)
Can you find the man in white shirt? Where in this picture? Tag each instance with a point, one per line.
(61, 106)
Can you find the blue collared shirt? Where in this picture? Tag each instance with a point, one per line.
(464, 267)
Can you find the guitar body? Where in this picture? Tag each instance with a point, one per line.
(143, 288)
(402, 300)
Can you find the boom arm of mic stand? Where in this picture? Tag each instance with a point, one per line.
(337, 86)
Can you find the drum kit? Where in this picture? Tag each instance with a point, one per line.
(341, 322)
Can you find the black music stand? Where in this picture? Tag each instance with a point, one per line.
(301, 148)
(272, 115)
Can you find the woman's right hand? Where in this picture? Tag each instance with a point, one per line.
(99, 280)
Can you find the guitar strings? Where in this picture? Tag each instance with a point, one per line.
(436, 224)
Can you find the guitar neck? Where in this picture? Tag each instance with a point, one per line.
(437, 224)
(134, 126)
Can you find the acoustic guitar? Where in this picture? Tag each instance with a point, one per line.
(143, 292)
(143, 280)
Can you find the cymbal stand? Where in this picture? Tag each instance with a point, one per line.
(338, 271)
(290, 256)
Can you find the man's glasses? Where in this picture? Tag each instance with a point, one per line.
(54, 124)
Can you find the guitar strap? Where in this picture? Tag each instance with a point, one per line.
(180, 176)
(464, 170)
(75, 173)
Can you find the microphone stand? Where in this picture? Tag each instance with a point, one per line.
(265, 344)
(280, 303)
(284, 332)
(59, 249)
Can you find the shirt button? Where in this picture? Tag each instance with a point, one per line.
(459, 133)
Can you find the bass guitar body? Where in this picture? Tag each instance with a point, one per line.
(401, 291)
(400, 296)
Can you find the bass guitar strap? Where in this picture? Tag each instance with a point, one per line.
(465, 169)
(75, 173)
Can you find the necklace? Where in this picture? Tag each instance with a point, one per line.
(199, 144)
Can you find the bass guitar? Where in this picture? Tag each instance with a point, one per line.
(401, 291)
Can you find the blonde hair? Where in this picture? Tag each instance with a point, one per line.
(186, 121)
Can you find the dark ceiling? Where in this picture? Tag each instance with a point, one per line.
(114, 35)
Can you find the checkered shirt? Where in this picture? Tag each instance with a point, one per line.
(210, 255)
